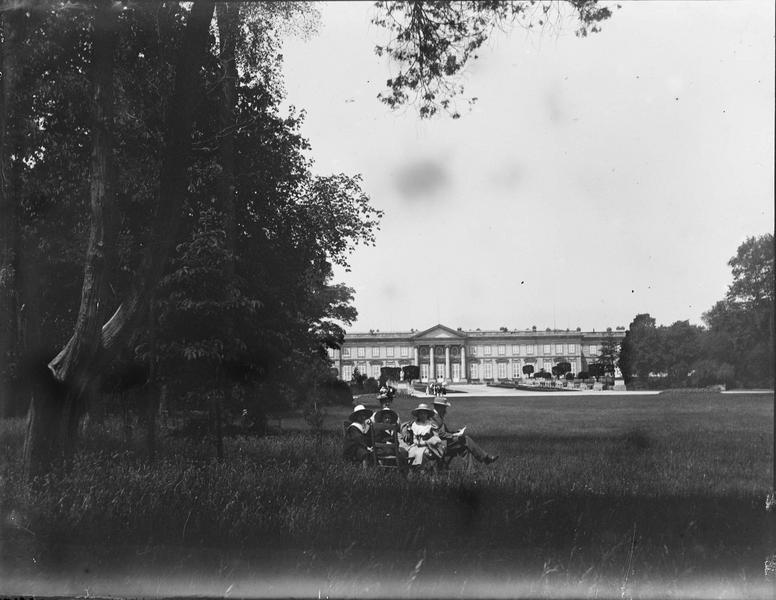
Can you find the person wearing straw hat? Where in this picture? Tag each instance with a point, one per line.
(457, 443)
(357, 447)
(426, 444)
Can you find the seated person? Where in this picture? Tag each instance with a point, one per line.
(385, 430)
(456, 443)
(425, 443)
(357, 447)
(385, 395)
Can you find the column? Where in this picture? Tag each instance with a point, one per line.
(415, 357)
(447, 362)
(431, 365)
(495, 369)
(464, 374)
(510, 374)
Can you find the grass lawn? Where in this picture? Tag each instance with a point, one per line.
(592, 496)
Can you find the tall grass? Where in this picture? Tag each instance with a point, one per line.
(606, 488)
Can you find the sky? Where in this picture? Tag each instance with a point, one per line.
(595, 178)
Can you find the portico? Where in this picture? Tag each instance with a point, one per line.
(440, 352)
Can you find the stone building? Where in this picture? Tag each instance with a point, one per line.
(463, 356)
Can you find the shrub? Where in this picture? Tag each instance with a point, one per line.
(336, 392)
(371, 386)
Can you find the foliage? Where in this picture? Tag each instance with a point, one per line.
(528, 369)
(609, 353)
(561, 369)
(736, 347)
(389, 374)
(411, 372)
(371, 386)
(432, 42)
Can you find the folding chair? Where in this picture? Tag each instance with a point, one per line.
(386, 451)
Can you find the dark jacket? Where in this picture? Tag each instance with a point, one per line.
(442, 430)
(356, 443)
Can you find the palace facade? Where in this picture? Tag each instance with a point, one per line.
(463, 356)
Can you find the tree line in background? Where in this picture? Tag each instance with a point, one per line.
(734, 348)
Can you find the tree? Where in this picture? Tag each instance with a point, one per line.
(641, 350)
(389, 374)
(561, 369)
(411, 372)
(53, 418)
(741, 326)
(528, 370)
(609, 353)
(433, 41)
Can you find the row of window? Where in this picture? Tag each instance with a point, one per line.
(476, 371)
(500, 349)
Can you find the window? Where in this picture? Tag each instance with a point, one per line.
(404, 351)
(360, 352)
(473, 352)
(346, 353)
(572, 348)
(502, 370)
(440, 370)
(330, 352)
(593, 350)
(530, 349)
(515, 349)
(558, 348)
(474, 371)
(389, 351)
(547, 348)
(488, 367)
(376, 351)
(516, 372)
(486, 350)
(548, 366)
(424, 371)
(347, 372)
(502, 350)
(376, 371)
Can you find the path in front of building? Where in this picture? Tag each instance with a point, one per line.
(486, 390)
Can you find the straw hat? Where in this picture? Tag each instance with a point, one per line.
(423, 407)
(383, 413)
(442, 400)
(357, 410)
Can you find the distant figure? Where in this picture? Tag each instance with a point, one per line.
(457, 443)
(386, 395)
(357, 447)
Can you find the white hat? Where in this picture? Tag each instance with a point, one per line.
(357, 410)
(442, 400)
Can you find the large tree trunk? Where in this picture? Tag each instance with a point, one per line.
(77, 364)
(62, 406)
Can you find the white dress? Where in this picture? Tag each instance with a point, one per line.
(425, 442)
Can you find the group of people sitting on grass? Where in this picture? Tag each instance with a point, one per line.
(420, 443)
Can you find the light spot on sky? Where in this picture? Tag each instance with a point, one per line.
(422, 180)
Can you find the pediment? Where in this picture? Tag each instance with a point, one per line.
(439, 332)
